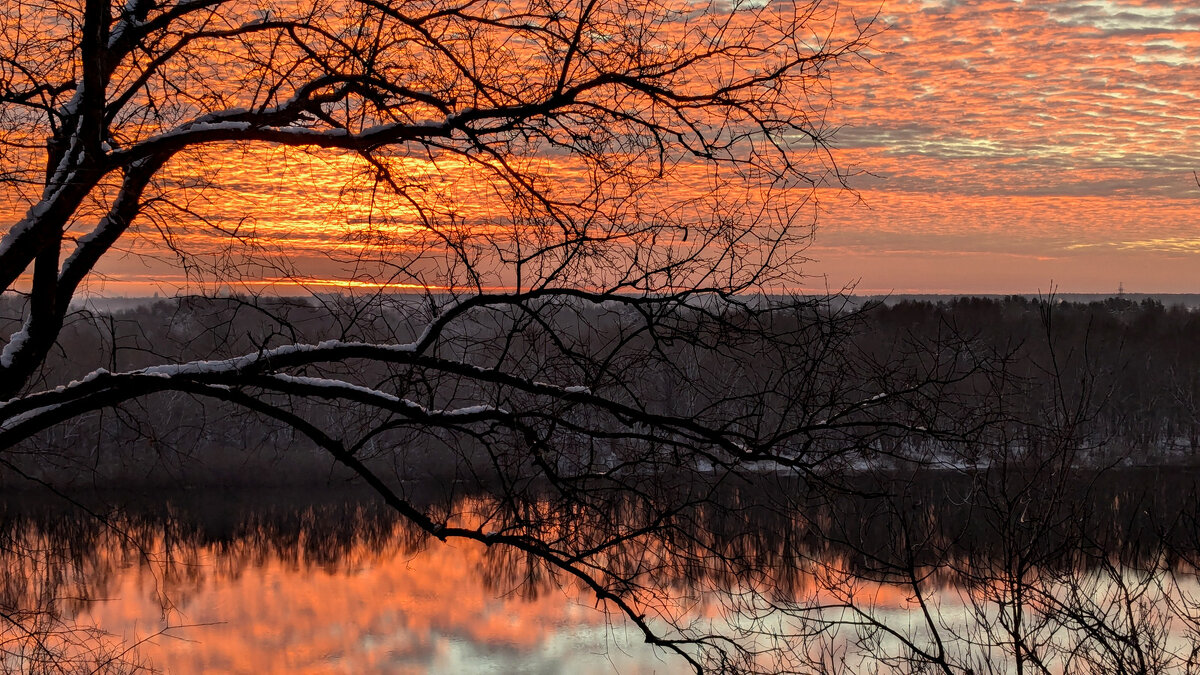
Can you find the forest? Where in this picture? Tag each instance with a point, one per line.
(1120, 377)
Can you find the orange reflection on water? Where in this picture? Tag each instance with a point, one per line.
(376, 610)
(374, 601)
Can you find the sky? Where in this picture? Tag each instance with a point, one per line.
(994, 146)
(1012, 146)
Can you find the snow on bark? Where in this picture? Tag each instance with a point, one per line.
(28, 415)
(241, 362)
(341, 386)
(15, 343)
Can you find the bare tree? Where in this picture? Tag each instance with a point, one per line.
(589, 334)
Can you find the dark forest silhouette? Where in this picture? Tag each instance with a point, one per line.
(1129, 365)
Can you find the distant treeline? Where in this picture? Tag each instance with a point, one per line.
(1118, 377)
(1131, 368)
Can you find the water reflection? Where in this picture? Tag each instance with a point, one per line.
(335, 582)
(340, 587)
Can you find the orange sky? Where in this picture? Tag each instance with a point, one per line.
(1004, 146)
(1010, 145)
(1017, 143)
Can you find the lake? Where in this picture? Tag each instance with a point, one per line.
(330, 580)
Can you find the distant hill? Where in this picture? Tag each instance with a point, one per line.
(1189, 300)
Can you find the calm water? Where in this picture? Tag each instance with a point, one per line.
(263, 583)
(288, 581)
(376, 610)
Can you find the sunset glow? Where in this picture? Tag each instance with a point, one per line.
(1011, 144)
(1002, 146)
